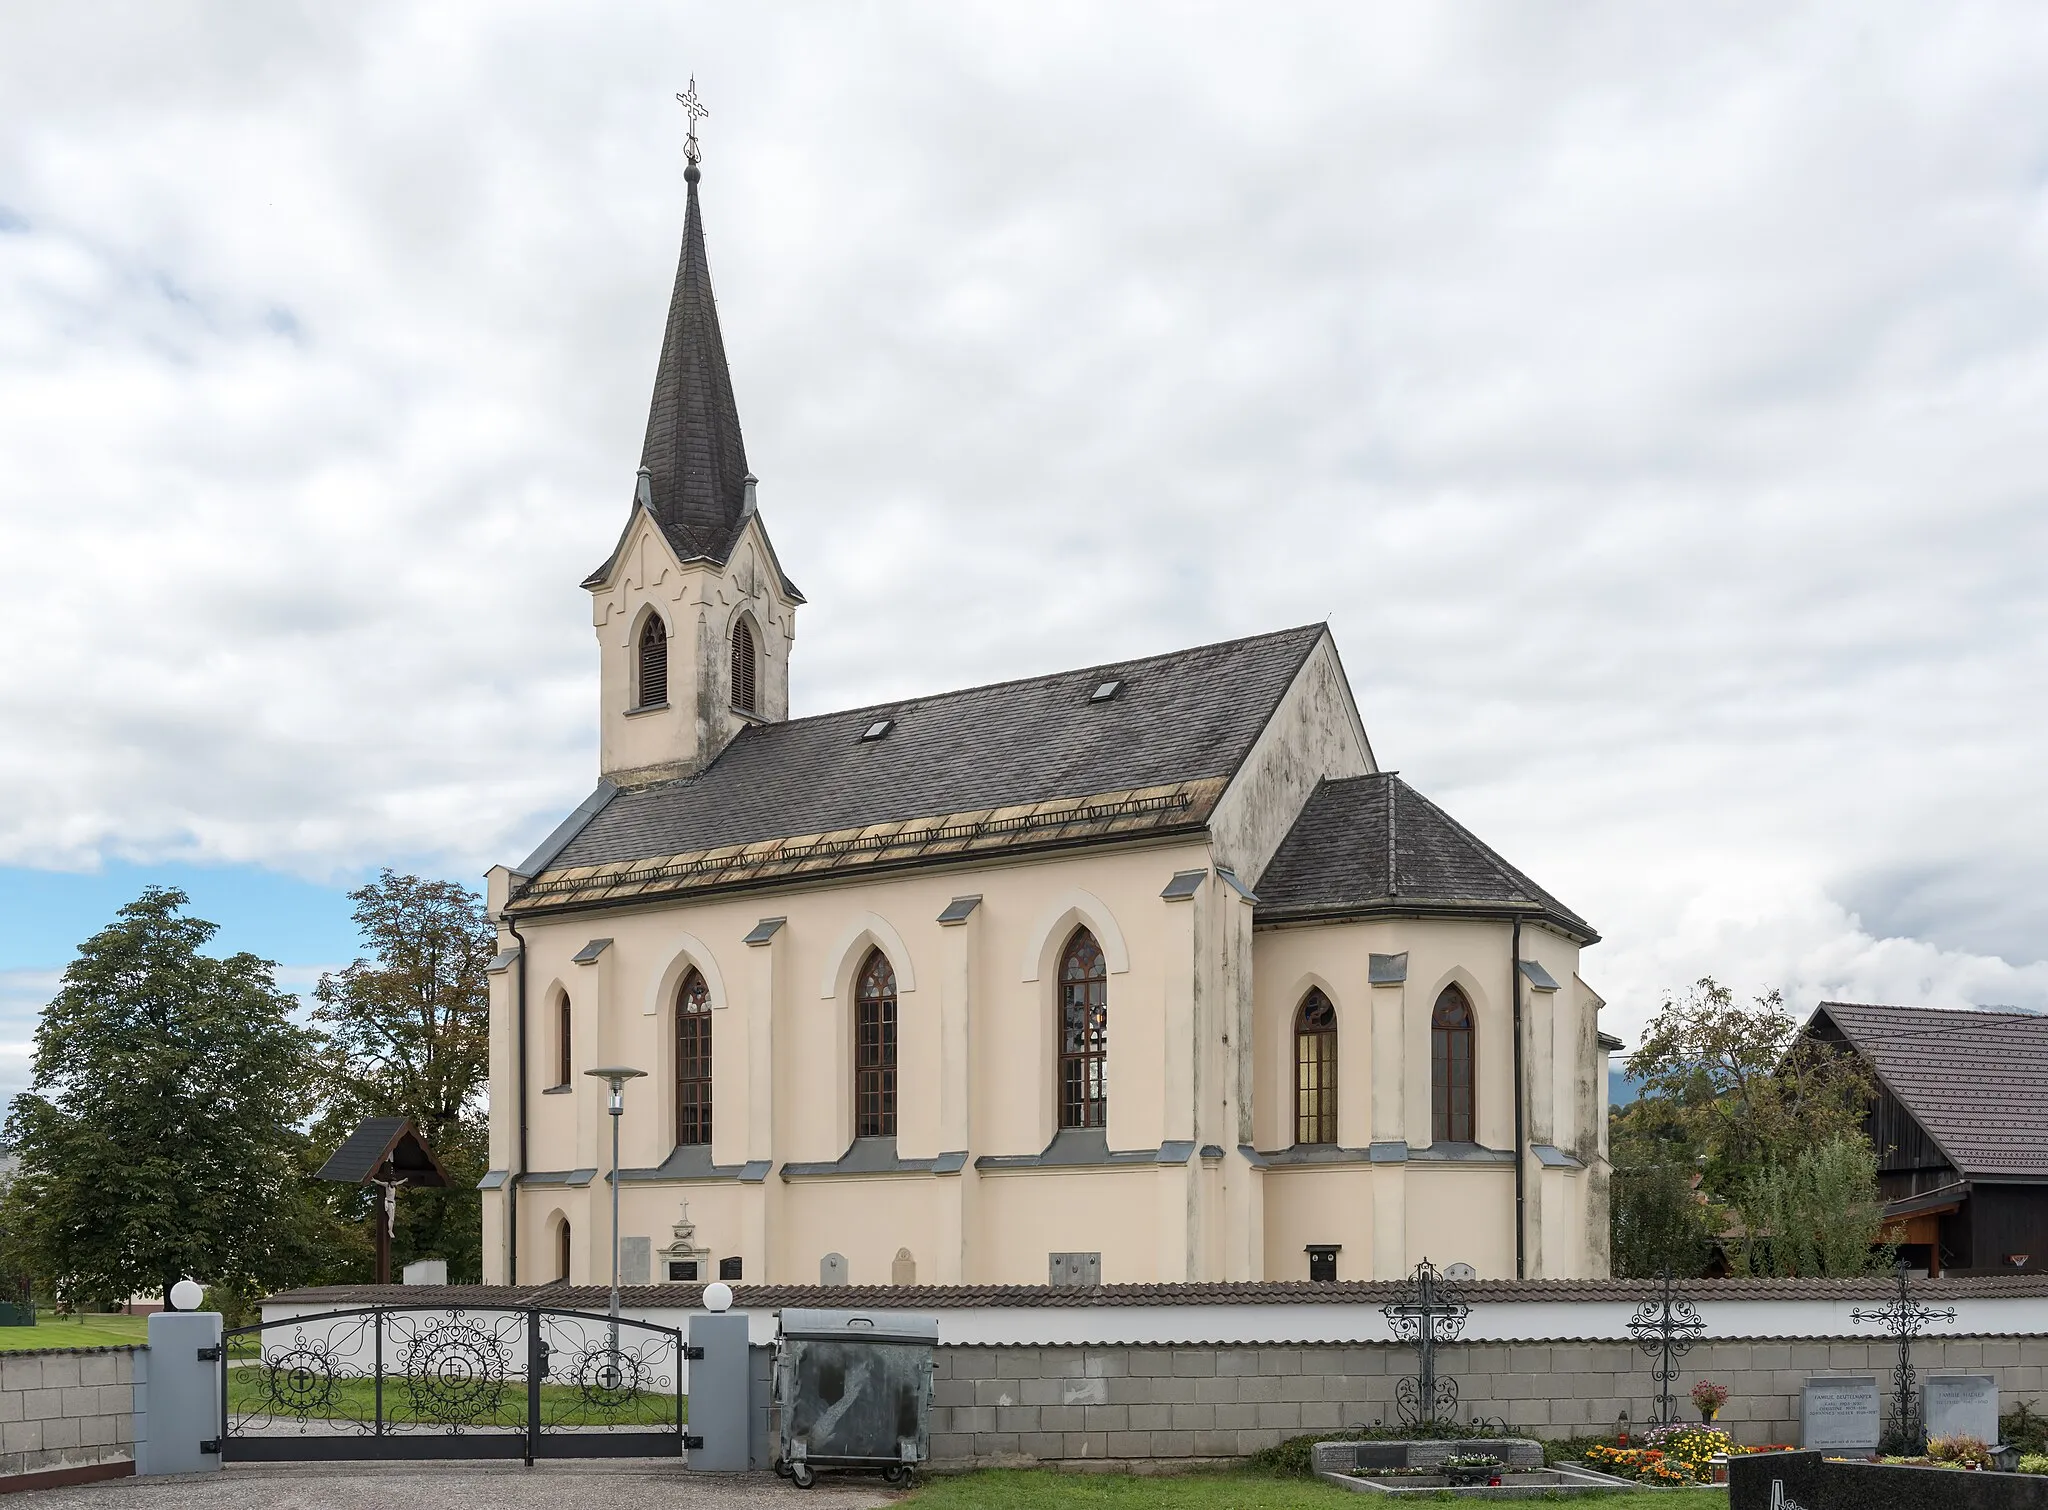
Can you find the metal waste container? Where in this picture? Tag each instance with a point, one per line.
(854, 1390)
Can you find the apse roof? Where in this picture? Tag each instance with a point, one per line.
(1373, 845)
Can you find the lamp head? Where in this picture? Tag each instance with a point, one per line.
(617, 1075)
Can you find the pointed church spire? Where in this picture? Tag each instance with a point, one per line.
(694, 462)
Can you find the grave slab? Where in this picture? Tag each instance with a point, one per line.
(1961, 1405)
(1840, 1414)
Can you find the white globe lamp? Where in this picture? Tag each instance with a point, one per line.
(186, 1296)
(718, 1296)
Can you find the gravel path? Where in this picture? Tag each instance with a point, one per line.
(588, 1485)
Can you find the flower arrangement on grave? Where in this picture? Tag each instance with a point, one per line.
(1709, 1397)
(1473, 1468)
(1670, 1455)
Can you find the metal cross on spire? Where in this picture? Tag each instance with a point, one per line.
(1904, 1319)
(1433, 1313)
(694, 109)
(1666, 1329)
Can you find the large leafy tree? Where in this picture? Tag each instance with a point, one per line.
(407, 1032)
(1732, 1092)
(160, 1138)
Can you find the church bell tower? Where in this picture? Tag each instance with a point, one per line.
(694, 616)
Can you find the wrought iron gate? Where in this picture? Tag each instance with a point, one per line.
(470, 1382)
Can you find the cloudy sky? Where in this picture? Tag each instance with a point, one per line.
(1651, 398)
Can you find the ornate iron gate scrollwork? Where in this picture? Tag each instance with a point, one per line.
(479, 1381)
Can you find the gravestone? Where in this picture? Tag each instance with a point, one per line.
(832, 1269)
(426, 1271)
(1961, 1405)
(1840, 1415)
(904, 1270)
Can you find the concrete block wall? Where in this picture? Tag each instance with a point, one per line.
(995, 1405)
(66, 1408)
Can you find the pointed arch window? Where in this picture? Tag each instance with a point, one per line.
(744, 662)
(1315, 1070)
(565, 1020)
(693, 1061)
(1450, 1057)
(562, 1250)
(874, 1048)
(653, 662)
(1084, 1033)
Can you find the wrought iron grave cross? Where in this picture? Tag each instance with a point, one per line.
(694, 109)
(1904, 1319)
(1433, 1312)
(1666, 1328)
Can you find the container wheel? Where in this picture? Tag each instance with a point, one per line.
(900, 1474)
(781, 1469)
(801, 1475)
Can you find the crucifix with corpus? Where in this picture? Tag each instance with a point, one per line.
(389, 1153)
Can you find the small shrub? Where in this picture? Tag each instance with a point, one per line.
(2025, 1429)
(1961, 1450)
(2034, 1462)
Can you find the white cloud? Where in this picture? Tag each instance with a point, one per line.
(1649, 397)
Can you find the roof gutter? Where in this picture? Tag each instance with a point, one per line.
(1521, 1133)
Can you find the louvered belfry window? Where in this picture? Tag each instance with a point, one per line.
(1450, 1056)
(1315, 1070)
(743, 672)
(693, 1061)
(874, 1048)
(653, 662)
(1084, 1033)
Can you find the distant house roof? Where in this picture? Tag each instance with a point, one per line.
(1976, 1082)
(376, 1140)
(1374, 846)
(1052, 759)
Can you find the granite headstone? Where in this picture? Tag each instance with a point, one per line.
(1840, 1415)
(1961, 1405)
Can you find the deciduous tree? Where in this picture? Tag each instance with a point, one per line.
(408, 1035)
(161, 1136)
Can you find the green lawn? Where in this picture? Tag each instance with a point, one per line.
(76, 1331)
(355, 1400)
(1006, 1489)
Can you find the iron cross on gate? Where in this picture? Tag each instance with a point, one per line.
(1433, 1313)
(1666, 1328)
(1904, 1319)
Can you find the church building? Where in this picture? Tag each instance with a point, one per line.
(1134, 973)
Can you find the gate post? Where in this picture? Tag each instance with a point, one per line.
(179, 1416)
(536, 1375)
(720, 1392)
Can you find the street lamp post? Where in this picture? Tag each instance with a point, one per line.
(617, 1075)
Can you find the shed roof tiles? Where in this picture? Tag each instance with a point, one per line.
(1977, 1082)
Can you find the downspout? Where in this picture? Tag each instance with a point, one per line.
(1521, 1150)
(512, 1184)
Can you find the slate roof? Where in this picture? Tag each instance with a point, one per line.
(1373, 845)
(694, 454)
(1216, 1293)
(1977, 1082)
(1177, 729)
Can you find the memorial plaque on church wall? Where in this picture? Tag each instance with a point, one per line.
(1961, 1405)
(1840, 1415)
(636, 1260)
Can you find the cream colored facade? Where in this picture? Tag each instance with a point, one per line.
(1197, 1176)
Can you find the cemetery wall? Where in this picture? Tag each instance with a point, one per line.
(1066, 1403)
(67, 1408)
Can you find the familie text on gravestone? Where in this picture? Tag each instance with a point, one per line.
(1961, 1405)
(1840, 1415)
